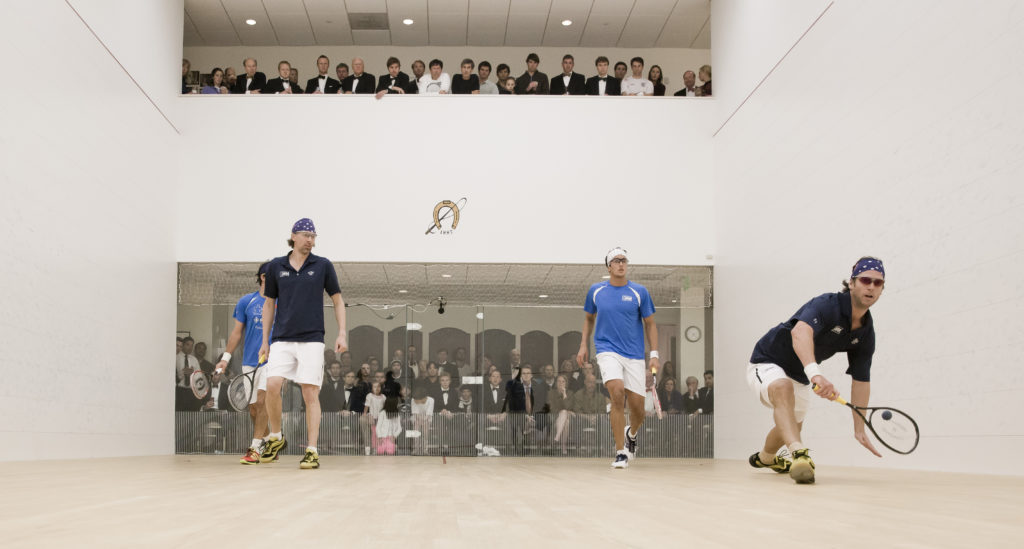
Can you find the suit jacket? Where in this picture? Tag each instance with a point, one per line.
(493, 405)
(222, 397)
(367, 84)
(259, 80)
(707, 399)
(402, 81)
(330, 86)
(276, 85)
(357, 400)
(690, 404)
(612, 85)
(332, 395)
(524, 80)
(453, 400)
(515, 397)
(577, 85)
(682, 93)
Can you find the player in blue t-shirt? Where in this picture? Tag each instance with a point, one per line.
(618, 312)
(249, 323)
(784, 365)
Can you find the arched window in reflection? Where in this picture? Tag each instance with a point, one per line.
(495, 344)
(538, 348)
(365, 342)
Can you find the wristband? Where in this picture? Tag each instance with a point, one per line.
(654, 354)
(226, 357)
(812, 370)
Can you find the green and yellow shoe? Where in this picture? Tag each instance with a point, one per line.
(780, 465)
(802, 470)
(310, 461)
(271, 448)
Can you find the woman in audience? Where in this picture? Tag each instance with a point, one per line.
(558, 405)
(654, 75)
(216, 83)
(389, 426)
(671, 399)
(668, 371)
(705, 76)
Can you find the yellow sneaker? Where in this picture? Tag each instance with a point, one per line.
(802, 470)
(780, 465)
(271, 448)
(310, 461)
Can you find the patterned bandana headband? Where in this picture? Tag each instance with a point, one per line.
(868, 264)
(304, 225)
(612, 254)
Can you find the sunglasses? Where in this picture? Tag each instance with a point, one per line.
(868, 281)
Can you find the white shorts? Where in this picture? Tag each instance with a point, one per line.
(259, 381)
(632, 371)
(301, 362)
(760, 376)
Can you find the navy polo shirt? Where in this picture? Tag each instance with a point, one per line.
(829, 315)
(300, 297)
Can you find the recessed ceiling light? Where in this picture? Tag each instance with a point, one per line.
(250, 22)
(566, 22)
(403, 291)
(446, 276)
(407, 21)
(543, 296)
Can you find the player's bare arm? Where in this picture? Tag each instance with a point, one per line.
(803, 345)
(588, 328)
(340, 344)
(860, 394)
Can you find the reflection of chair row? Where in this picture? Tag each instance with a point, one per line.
(455, 435)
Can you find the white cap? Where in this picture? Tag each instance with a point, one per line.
(612, 254)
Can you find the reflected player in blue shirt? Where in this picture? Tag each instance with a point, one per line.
(249, 321)
(784, 365)
(619, 312)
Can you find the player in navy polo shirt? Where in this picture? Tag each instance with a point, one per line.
(295, 308)
(784, 365)
(619, 312)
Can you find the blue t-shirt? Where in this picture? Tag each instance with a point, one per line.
(620, 312)
(830, 317)
(299, 315)
(249, 312)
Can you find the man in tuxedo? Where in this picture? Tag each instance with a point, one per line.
(332, 394)
(418, 69)
(446, 397)
(322, 83)
(707, 393)
(494, 394)
(568, 83)
(395, 81)
(514, 361)
(252, 81)
(532, 82)
(358, 81)
(281, 84)
(689, 85)
(520, 402)
(293, 79)
(603, 84)
(342, 71)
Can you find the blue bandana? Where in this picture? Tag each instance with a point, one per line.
(868, 264)
(304, 224)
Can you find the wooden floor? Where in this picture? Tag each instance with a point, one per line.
(385, 502)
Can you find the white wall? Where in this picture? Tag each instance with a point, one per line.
(88, 305)
(673, 61)
(548, 179)
(819, 168)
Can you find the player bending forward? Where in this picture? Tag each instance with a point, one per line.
(785, 365)
(618, 312)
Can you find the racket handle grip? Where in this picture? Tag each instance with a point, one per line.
(839, 399)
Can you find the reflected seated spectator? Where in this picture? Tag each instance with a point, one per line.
(374, 403)
(445, 400)
(431, 380)
(589, 401)
(422, 416)
(707, 393)
(217, 398)
(494, 399)
(389, 426)
(691, 400)
(671, 399)
(559, 404)
(467, 405)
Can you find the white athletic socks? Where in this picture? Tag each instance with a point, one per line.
(311, 449)
(623, 452)
(795, 446)
(256, 443)
(275, 435)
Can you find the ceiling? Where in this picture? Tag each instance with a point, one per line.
(379, 284)
(596, 23)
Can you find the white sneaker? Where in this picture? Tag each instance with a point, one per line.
(621, 461)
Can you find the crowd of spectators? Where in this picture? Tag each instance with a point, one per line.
(402, 400)
(431, 79)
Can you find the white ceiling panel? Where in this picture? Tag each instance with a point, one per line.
(190, 36)
(703, 40)
(372, 37)
(212, 23)
(447, 29)
(408, 35)
(492, 7)
(260, 34)
(603, 30)
(683, 25)
(525, 29)
(329, 20)
(365, 6)
(576, 11)
(486, 29)
(615, 8)
(290, 22)
(641, 31)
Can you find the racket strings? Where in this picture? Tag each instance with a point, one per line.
(898, 432)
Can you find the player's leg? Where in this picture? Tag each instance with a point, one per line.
(635, 402)
(310, 376)
(311, 396)
(273, 403)
(617, 415)
(280, 365)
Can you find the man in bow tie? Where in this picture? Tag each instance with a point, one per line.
(322, 83)
(602, 84)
